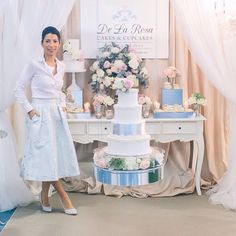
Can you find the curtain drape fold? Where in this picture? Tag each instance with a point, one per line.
(213, 48)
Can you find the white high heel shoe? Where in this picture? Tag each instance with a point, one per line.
(69, 211)
(44, 208)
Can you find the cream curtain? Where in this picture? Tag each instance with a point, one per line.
(213, 45)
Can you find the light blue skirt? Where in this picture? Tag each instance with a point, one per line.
(49, 152)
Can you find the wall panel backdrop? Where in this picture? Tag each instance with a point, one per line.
(180, 179)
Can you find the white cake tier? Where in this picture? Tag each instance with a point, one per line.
(72, 56)
(128, 145)
(128, 114)
(129, 98)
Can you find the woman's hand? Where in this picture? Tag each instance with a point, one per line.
(32, 113)
(64, 109)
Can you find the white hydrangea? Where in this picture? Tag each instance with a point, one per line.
(94, 77)
(75, 55)
(105, 54)
(134, 79)
(100, 73)
(202, 101)
(95, 65)
(131, 164)
(133, 63)
(115, 50)
(118, 84)
(107, 81)
(109, 72)
(148, 100)
(192, 100)
(144, 71)
(132, 56)
(67, 46)
(108, 101)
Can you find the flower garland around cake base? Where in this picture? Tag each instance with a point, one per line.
(112, 162)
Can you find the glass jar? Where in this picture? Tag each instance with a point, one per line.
(98, 111)
(146, 110)
(196, 109)
(109, 113)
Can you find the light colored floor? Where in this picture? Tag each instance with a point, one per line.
(188, 215)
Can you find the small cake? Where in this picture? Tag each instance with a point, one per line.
(72, 56)
(172, 104)
(172, 96)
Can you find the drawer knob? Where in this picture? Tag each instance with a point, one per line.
(179, 127)
(105, 128)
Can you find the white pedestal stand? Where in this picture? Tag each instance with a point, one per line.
(75, 90)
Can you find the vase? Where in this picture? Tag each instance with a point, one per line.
(145, 110)
(98, 111)
(109, 113)
(196, 109)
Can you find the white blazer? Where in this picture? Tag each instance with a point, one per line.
(43, 83)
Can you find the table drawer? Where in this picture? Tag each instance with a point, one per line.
(103, 128)
(77, 128)
(153, 128)
(177, 128)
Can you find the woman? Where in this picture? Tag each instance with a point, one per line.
(49, 151)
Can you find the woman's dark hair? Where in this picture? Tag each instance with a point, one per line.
(50, 30)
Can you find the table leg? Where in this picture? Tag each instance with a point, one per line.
(200, 143)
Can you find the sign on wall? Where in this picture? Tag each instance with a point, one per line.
(143, 24)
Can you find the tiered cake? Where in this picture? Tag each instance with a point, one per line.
(128, 160)
(72, 56)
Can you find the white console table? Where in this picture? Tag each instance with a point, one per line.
(161, 130)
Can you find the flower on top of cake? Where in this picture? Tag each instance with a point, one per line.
(117, 68)
(73, 53)
(170, 74)
(129, 163)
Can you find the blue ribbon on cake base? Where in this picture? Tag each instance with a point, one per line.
(128, 129)
(129, 178)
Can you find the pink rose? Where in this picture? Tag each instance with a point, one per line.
(141, 100)
(128, 83)
(107, 64)
(131, 50)
(144, 164)
(100, 162)
(170, 72)
(114, 69)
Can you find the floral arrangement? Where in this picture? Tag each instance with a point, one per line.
(102, 99)
(144, 100)
(117, 68)
(126, 163)
(111, 162)
(197, 98)
(170, 74)
(75, 55)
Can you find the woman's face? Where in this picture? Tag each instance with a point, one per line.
(50, 44)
